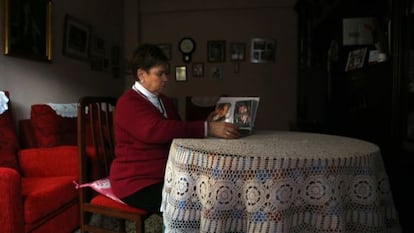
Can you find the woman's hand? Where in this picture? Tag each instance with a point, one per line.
(223, 130)
(211, 116)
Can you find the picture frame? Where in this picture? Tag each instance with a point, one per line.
(198, 69)
(181, 73)
(263, 50)
(166, 48)
(32, 38)
(76, 39)
(98, 45)
(216, 73)
(237, 51)
(167, 68)
(216, 51)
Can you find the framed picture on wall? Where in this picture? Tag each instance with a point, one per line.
(28, 29)
(181, 73)
(98, 45)
(216, 51)
(263, 50)
(198, 69)
(237, 51)
(166, 48)
(167, 68)
(76, 39)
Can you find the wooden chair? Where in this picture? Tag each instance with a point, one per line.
(96, 152)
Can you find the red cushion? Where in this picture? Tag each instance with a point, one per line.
(104, 201)
(51, 129)
(8, 140)
(43, 196)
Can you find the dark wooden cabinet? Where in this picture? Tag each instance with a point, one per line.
(353, 103)
(374, 102)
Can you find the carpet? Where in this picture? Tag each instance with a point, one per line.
(153, 224)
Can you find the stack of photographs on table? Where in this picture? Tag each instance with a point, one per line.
(240, 111)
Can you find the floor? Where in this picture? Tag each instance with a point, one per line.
(153, 224)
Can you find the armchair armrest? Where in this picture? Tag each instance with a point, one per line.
(50, 161)
(11, 214)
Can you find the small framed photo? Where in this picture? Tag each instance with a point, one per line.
(181, 73)
(98, 45)
(76, 38)
(216, 51)
(237, 51)
(198, 69)
(263, 50)
(216, 73)
(167, 68)
(166, 48)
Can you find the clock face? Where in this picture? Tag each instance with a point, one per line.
(186, 45)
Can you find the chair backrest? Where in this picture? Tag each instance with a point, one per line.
(95, 138)
(96, 152)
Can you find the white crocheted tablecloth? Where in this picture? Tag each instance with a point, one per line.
(65, 110)
(276, 181)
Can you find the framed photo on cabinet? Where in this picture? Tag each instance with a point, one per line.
(28, 29)
(76, 39)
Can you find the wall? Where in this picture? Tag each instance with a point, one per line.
(232, 21)
(64, 79)
(134, 21)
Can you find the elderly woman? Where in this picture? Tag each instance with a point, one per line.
(145, 124)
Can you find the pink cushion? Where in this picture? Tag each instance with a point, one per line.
(51, 129)
(45, 195)
(102, 186)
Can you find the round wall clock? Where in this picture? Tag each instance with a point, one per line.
(186, 46)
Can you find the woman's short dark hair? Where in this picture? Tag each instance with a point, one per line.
(147, 56)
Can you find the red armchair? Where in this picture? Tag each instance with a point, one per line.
(37, 193)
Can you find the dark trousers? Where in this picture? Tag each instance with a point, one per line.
(148, 198)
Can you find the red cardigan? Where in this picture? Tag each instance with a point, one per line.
(143, 137)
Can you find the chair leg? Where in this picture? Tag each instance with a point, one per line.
(140, 226)
(122, 227)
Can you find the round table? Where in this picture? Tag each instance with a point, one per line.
(277, 181)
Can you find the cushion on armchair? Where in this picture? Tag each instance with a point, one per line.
(8, 139)
(52, 129)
